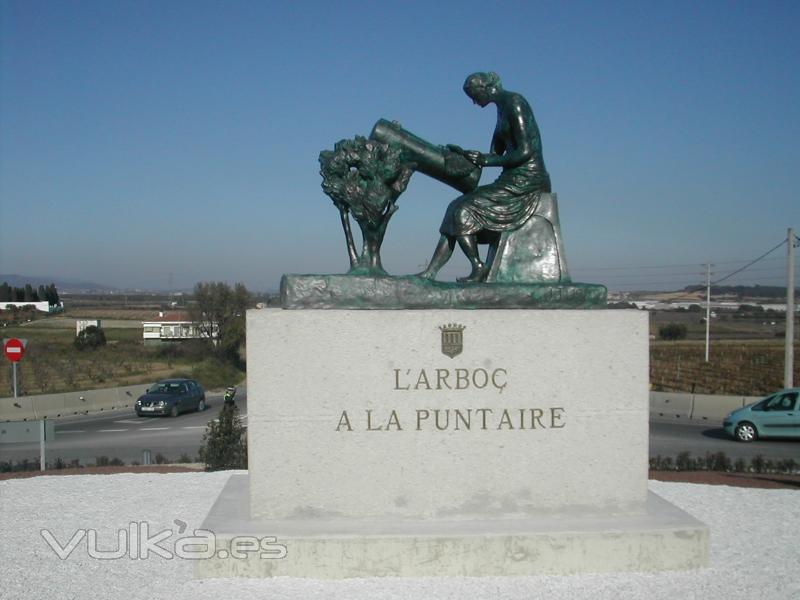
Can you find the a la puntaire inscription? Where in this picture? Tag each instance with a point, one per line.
(452, 419)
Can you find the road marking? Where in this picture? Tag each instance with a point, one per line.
(110, 430)
(129, 422)
(153, 428)
(194, 427)
(71, 430)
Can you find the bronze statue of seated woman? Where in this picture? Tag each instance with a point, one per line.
(480, 216)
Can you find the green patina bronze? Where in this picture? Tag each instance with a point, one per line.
(516, 216)
(364, 178)
(411, 292)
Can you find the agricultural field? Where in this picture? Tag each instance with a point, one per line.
(725, 326)
(53, 364)
(748, 368)
(746, 354)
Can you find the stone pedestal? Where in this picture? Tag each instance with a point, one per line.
(534, 252)
(450, 442)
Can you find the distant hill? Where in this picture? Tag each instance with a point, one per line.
(744, 291)
(65, 286)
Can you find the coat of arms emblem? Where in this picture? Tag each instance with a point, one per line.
(452, 339)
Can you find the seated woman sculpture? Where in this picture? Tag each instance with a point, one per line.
(481, 215)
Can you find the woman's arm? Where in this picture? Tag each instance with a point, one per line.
(498, 146)
(520, 120)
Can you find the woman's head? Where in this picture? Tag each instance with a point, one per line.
(483, 87)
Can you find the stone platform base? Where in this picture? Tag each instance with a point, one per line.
(411, 292)
(660, 537)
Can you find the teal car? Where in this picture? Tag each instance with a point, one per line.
(774, 416)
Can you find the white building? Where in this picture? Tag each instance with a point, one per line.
(44, 306)
(81, 324)
(172, 327)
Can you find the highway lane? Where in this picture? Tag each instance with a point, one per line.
(123, 435)
(668, 437)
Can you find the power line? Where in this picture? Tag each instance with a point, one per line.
(682, 274)
(695, 265)
(646, 275)
(767, 253)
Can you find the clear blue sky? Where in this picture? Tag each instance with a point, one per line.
(147, 142)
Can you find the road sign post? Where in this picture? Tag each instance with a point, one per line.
(42, 436)
(14, 349)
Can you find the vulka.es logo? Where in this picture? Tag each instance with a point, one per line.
(136, 543)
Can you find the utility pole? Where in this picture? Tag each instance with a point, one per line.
(708, 306)
(788, 367)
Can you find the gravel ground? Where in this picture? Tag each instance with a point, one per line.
(754, 548)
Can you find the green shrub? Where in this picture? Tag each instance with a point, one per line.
(224, 442)
(672, 331)
(718, 461)
(684, 462)
(90, 338)
(758, 464)
(214, 373)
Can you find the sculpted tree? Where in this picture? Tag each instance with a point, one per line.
(364, 177)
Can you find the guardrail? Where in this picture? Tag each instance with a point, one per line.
(53, 406)
(696, 407)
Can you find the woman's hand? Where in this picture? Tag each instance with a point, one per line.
(475, 157)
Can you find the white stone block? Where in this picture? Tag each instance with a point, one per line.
(577, 379)
(661, 537)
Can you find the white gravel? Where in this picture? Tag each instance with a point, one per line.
(755, 548)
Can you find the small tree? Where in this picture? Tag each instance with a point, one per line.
(52, 295)
(224, 442)
(90, 338)
(672, 331)
(219, 313)
(364, 177)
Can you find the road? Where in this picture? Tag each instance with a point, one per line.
(668, 437)
(123, 435)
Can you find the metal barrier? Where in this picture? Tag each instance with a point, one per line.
(52, 406)
(664, 404)
(714, 408)
(696, 407)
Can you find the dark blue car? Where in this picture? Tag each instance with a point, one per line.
(171, 397)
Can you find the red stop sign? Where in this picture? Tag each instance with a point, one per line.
(14, 350)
